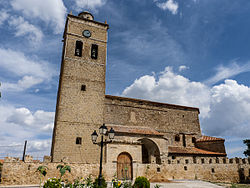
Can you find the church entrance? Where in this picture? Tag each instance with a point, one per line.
(124, 167)
(150, 152)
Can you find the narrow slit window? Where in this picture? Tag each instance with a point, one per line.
(79, 140)
(202, 161)
(194, 160)
(193, 139)
(94, 51)
(78, 49)
(83, 87)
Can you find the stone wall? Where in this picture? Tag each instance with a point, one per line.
(215, 146)
(162, 117)
(16, 172)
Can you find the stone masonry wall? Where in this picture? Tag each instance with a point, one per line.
(216, 146)
(16, 172)
(162, 117)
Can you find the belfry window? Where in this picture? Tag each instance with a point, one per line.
(94, 51)
(78, 49)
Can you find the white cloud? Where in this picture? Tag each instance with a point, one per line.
(48, 127)
(39, 145)
(170, 5)
(223, 72)
(230, 110)
(3, 16)
(31, 71)
(24, 28)
(225, 108)
(51, 12)
(25, 118)
(20, 124)
(171, 88)
(182, 68)
(89, 4)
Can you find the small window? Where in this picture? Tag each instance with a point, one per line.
(185, 168)
(193, 139)
(94, 51)
(169, 162)
(202, 161)
(178, 161)
(210, 161)
(83, 87)
(212, 170)
(158, 169)
(78, 49)
(79, 140)
(194, 160)
(173, 157)
(217, 160)
(177, 138)
(186, 161)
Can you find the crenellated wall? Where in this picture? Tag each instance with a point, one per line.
(16, 172)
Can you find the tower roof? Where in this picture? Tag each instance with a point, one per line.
(87, 15)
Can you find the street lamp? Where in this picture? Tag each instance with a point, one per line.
(103, 130)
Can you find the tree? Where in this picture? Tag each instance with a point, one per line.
(247, 151)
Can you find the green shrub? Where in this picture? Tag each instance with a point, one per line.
(103, 183)
(52, 183)
(141, 182)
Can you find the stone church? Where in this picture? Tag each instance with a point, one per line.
(146, 132)
(157, 140)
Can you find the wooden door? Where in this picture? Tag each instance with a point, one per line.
(124, 167)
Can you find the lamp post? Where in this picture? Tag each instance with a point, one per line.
(103, 130)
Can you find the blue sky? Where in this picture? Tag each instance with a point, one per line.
(192, 52)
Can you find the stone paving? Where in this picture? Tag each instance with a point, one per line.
(186, 184)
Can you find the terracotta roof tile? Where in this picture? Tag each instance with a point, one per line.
(1, 161)
(134, 130)
(191, 150)
(209, 138)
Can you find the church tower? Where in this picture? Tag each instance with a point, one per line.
(81, 93)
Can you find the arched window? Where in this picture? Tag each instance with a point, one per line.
(78, 49)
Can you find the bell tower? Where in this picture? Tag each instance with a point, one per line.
(81, 92)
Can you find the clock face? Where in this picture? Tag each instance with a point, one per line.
(86, 33)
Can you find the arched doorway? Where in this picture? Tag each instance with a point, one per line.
(150, 151)
(124, 166)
